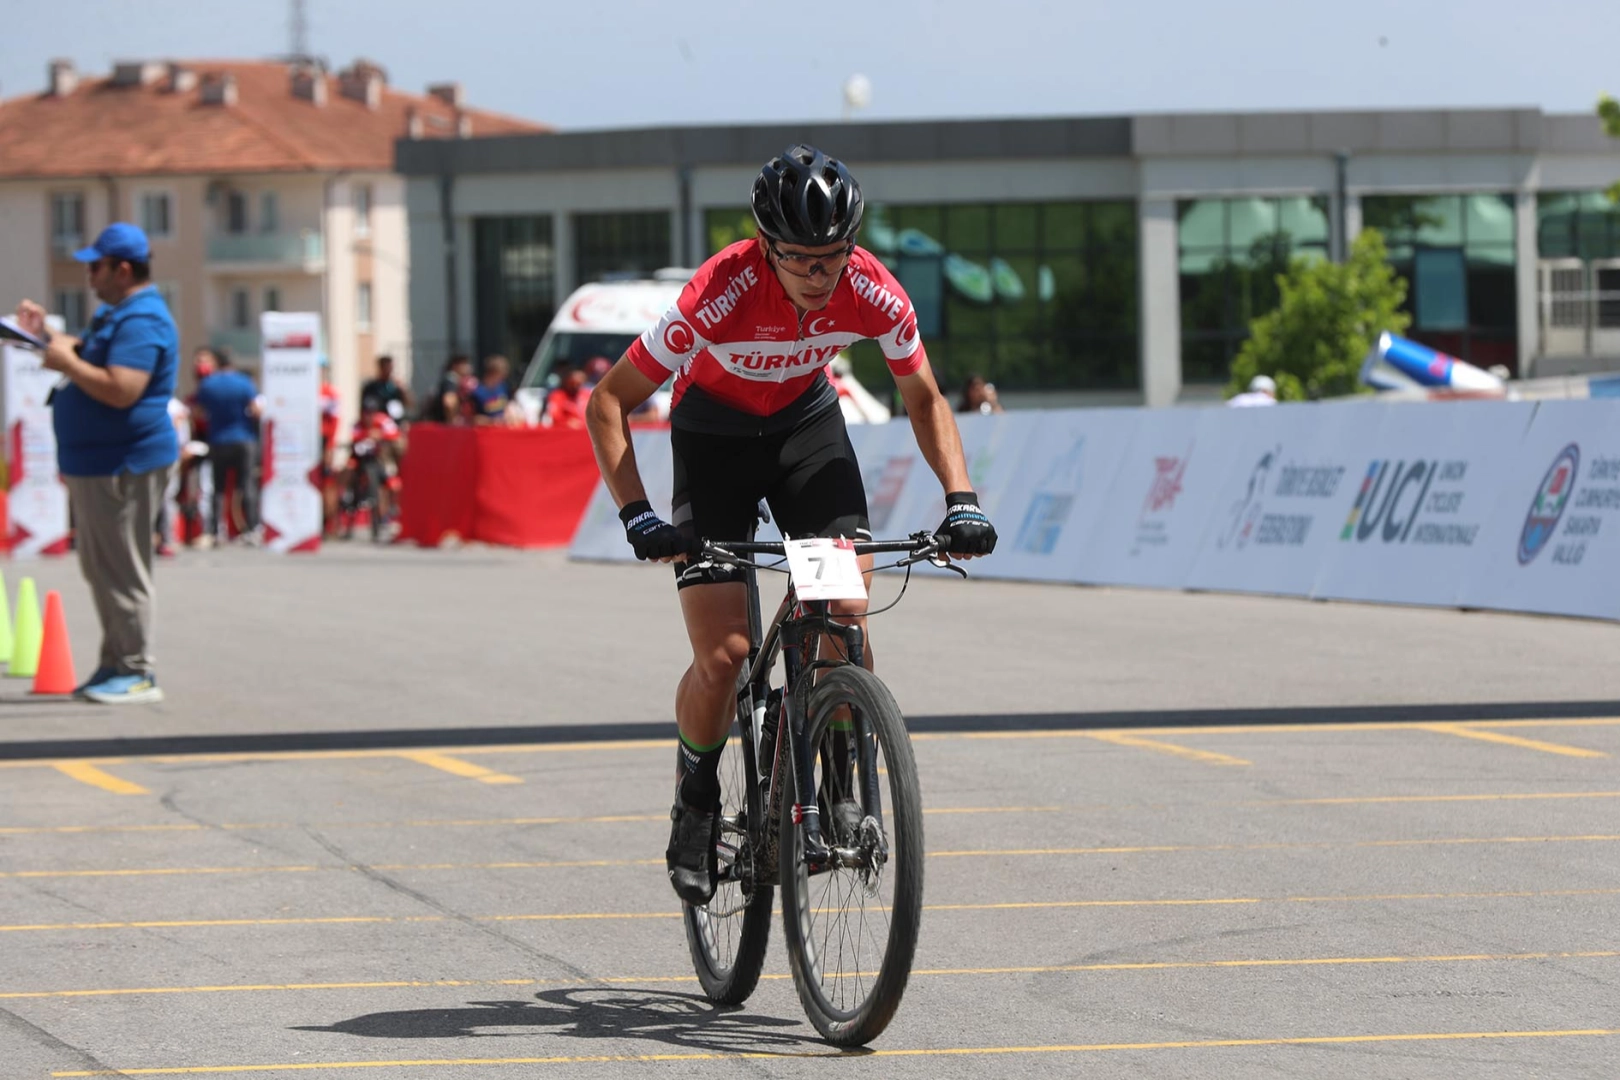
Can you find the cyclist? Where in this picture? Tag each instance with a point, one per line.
(755, 416)
(373, 455)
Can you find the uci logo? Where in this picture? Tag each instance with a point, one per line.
(1397, 523)
(1548, 505)
(678, 338)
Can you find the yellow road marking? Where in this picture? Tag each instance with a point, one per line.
(1013, 905)
(948, 1051)
(576, 864)
(457, 767)
(486, 823)
(1120, 738)
(616, 980)
(660, 744)
(86, 773)
(1514, 740)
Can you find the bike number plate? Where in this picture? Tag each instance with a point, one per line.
(825, 568)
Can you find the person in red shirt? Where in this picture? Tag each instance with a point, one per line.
(331, 418)
(565, 406)
(755, 416)
(374, 451)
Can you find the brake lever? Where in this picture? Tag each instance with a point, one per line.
(943, 561)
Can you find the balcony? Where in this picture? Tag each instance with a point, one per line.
(242, 344)
(253, 252)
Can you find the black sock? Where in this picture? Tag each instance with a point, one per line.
(699, 773)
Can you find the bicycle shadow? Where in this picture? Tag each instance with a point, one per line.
(689, 1021)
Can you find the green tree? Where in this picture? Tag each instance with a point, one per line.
(1328, 315)
(1609, 110)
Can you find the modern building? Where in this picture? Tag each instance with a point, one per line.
(1114, 259)
(263, 186)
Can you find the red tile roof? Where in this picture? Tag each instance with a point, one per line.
(101, 129)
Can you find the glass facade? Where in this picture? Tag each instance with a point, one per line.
(1231, 252)
(514, 285)
(1456, 253)
(1029, 295)
(612, 245)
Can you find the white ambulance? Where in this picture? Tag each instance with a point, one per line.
(601, 319)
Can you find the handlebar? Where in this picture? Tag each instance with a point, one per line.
(918, 547)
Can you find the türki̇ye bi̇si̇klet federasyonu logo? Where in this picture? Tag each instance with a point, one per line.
(1548, 506)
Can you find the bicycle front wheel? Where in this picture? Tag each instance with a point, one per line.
(728, 935)
(851, 926)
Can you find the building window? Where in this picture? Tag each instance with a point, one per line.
(362, 210)
(67, 222)
(269, 212)
(1029, 295)
(1457, 254)
(171, 297)
(71, 305)
(272, 298)
(241, 309)
(157, 214)
(1231, 252)
(620, 245)
(362, 306)
(515, 286)
(236, 213)
(1578, 244)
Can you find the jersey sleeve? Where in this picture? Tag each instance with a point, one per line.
(674, 339)
(889, 318)
(137, 343)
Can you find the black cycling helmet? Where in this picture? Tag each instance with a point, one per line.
(806, 198)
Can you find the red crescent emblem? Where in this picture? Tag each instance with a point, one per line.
(908, 330)
(815, 329)
(678, 338)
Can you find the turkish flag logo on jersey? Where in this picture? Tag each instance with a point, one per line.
(908, 330)
(678, 338)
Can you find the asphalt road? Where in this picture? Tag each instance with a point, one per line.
(403, 814)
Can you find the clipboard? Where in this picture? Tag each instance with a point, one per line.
(10, 331)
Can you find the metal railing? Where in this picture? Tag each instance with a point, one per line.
(282, 249)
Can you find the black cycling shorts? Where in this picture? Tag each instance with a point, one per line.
(807, 474)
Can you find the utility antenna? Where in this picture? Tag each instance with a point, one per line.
(298, 26)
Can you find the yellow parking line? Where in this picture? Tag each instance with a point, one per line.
(86, 773)
(618, 980)
(1120, 738)
(1010, 905)
(947, 1051)
(1513, 740)
(456, 767)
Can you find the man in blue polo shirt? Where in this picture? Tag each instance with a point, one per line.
(115, 446)
(231, 402)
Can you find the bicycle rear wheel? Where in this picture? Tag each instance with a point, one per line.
(728, 935)
(851, 928)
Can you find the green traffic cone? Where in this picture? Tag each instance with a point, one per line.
(26, 637)
(5, 622)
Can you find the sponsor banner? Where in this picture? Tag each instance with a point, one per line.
(1282, 502)
(891, 465)
(1422, 486)
(600, 535)
(1162, 498)
(37, 502)
(1053, 495)
(290, 499)
(1553, 543)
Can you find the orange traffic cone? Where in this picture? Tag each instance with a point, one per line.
(55, 674)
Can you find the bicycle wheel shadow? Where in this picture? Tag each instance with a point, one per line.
(689, 1021)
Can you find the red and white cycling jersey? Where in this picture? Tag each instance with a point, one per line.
(734, 333)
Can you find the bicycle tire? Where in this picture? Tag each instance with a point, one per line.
(845, 1016)
(728, 936)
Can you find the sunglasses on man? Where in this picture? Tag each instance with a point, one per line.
(802, 265)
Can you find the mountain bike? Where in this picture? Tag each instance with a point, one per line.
(819, 796)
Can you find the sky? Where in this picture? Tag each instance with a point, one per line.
(639, 63)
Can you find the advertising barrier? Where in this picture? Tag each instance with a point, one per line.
(37, 502)
(1553, 543)
(290, 501)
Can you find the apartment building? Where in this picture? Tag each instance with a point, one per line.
(264, 186)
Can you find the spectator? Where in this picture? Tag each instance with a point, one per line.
(1262, 391)
(978, 396)
(492, 398)
(115, 448)
(565, 406)
(331, 416)
(596, 369)
(451, 396)
(231, 402)
(180, 417)
(396, 400)
(195, 485)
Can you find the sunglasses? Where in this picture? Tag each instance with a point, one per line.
(808, 265)
(96, 266)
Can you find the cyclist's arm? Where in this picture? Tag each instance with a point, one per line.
(607, 417)
(934, 425)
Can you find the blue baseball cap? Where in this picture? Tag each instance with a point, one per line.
(120, 240)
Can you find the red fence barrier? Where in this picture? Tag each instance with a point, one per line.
(521, 487)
